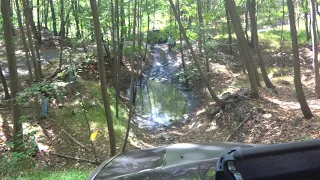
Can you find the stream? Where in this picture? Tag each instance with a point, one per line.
(162, 102)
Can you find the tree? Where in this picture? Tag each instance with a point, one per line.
(102, 74)
(54, 19)
(243, 47)
(132, 76)
(13, 74)
(4, 84)
(62, 31)
(315, 48)
(296, 63)
(219, 102)
(23, 38)
(254, 35)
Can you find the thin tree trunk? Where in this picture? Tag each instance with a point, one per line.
(181, 51)
(54, 19)
(23, 38)
(76, 18)
(132, 76)
(244, 49)
(102, 75)
(30, 41)
(219, 102)
(229, 31)
(306, 19)
(62, 32)
(13, 74)
(117, 56)
(254, 35)
(38, 21)
(315, 48)
(296, 63)
(36, 35)
(4, 84)
(46, 5)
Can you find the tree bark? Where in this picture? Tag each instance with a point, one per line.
(219, 102)
(13, 74)
(36, 35)
(4, 84)
(54, 19)
(76, 18)
(62, 31)
(254, 35)
(243, 46)
(132, 75)
(296, 63)
(102, 75)
(23, 38)
(306, 19)
(229, 31)
(315, 48)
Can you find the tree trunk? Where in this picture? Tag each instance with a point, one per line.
(54, 20)
(296, 62)
(30, 41)
(13, 74)
(46, 5)
(102, 75)
(62, 32)
(315, 48)
(33, 55)
(76, 18)
(36, 35)
(4, 84)
(23, 38)
(229, 31)
(132, 75)
(122, 29)
(181, 51)
(244, 49)
(219, 102)
(38, 20)
(246, 19)
(254, 35)
(306, 19)
(117, 57)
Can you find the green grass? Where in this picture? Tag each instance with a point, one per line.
(95, 113)
(71, 174)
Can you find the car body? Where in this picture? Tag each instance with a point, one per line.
(175, 161)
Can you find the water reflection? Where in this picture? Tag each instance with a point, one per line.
(160, 104)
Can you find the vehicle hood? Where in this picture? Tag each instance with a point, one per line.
(174, 161)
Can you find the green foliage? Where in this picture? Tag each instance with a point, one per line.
(13, 161)
(34, 91)
(90, 92)
(71, 174)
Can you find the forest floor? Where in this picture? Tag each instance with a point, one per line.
(274, 117)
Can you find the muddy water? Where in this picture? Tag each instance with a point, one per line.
(160, 102)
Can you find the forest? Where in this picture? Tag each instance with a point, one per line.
(82, 81)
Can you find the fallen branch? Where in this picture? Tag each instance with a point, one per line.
(56, 73)
(74, 140)
(74, 158)
(228, 138)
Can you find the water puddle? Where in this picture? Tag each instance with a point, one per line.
(160, 102)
